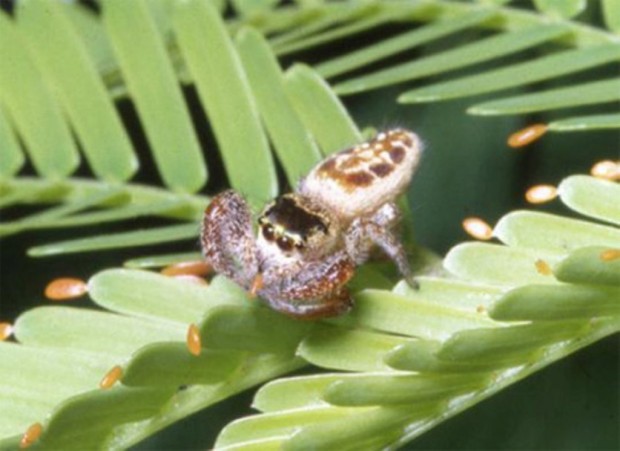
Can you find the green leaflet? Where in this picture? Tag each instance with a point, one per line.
(91, 331)
(544, 302)
(611, 12)
(161, 298)
(157, 261)
(593, 197)
(505, 343)
(45, 378)
(153, 87)
(364, 430)
(223, 88)
(369, 389)
(294, 146)
(171, 365)
(63, 61)
(253, 7)
(29, 111)
(550, 66)
(585, 123)
(476, 52)
(115, 194)
(338, 348)
(320, 110)
(319, 19)
(497, 265)
(295, 392)
(421, 355)
(370, 16)
(12, 155)
(402, 42)
(279, 424)
(86, 420)
(561, 8)
(588, 265)
(584, 94)
(553, 234)
(385, 311)
(118, 240)
(258, 329)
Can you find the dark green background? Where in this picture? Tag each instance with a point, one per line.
(467, 170)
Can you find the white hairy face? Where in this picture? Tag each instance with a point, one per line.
(292, 228)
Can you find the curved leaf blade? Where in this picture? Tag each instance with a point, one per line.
(555, 303)
(497, 265)
(160, 298)
(29, 111)
(294, 146)
(224, 90)
(586, 123)
(602, 91)
(564, 9)
(419, 389)
(111, 336)
(546, 233)
(467, 55)
(405, 41)
(154, 88)
(593, 197)
(12, 156)
(337, 348)
(252, 329)
(320, 110)
(117, 240)
(503, 344)
(611, 14)
(87, 420)
(549, 66)
(586, 266)
(171, 365)
(66, 65)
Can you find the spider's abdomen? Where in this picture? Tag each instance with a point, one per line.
(358, 180)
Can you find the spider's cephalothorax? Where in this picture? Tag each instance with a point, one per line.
(310, 241)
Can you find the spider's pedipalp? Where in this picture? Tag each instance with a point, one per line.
(337, 303)
(227, 239)
(312, 289)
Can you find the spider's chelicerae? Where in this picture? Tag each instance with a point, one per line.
(310, 241)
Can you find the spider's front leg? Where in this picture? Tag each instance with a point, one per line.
(312, 289)
(227, 240)
(364, 233)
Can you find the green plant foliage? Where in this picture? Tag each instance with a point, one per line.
(404, 360)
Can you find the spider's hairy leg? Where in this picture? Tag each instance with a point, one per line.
(364, 233)
(312, 290)
(227, 239)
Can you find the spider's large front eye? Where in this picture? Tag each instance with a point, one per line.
(268, 232)
(285, 243)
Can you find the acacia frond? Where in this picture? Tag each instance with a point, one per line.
(413, 358)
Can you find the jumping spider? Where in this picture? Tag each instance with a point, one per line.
(310, 241)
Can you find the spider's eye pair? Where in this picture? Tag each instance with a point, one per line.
(284, 242)
(287, 243)
(268, 232)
